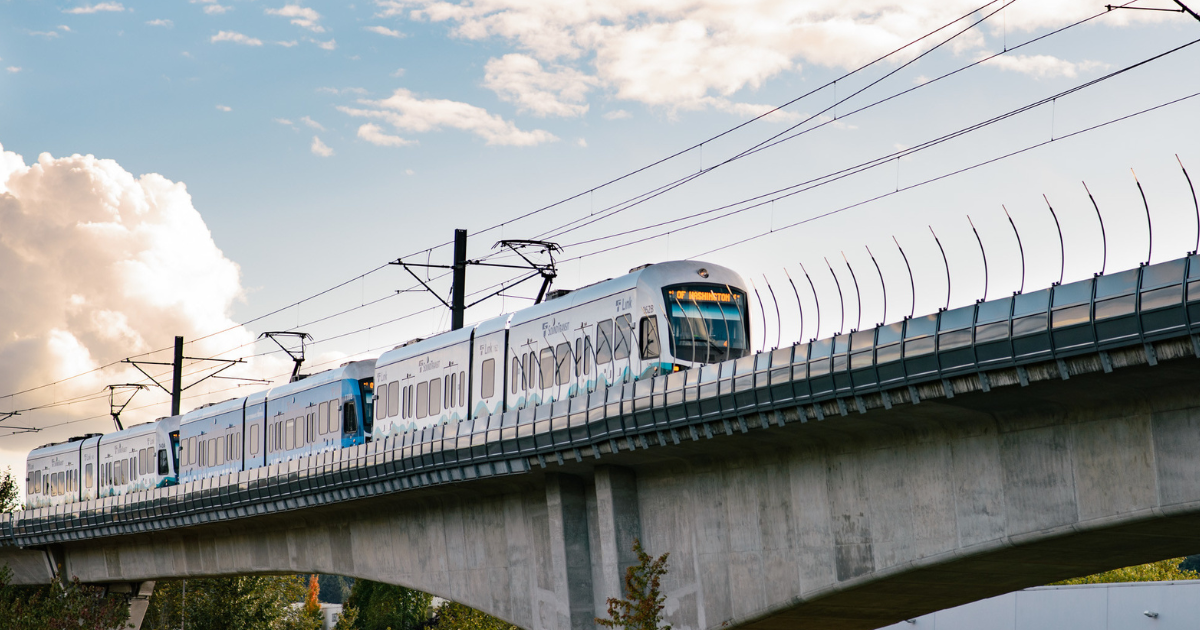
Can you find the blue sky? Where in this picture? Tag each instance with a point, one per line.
(320, 140)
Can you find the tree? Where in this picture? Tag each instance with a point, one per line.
(454, 616)
(1160, 571)
(10, 493)
(58, 606)
(643, 604)
(247, 602)
(312, 604)
(335, 588)
(380, 606)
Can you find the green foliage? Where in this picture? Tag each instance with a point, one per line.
(10, 493)
(452, 616)
(380, 606)
(249, 602)
(643, 604)
(346, 620)
(335, 588)
(58, 606)
(1161, 571)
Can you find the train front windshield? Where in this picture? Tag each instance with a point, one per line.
(708, 324)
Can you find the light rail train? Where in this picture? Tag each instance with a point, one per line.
(656, 319)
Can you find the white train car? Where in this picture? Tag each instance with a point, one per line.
(211, 437)
(94, 466)
(656, 319)
(131, 460)
(325, 411)
(52, 473)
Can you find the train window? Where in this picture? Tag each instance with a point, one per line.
(312, 427)
(435, 396)
(132, 468)
(192, 450)
(323, 417)
(578, 357)
(88, 477)
(119, 473)
(212, 451)
(393, 399)
(649, 338)
(349, 418)
(462, 388)
(422, 399)
(448, 398)
(163, 467)
(253, 439)
(516, 368)
(531, 370)
(405, 404)
(547, 368)
(289, 435)
(563, 362)
(604, 332)
(624, 326)
(487, 379)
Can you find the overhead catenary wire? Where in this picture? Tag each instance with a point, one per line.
(589, 191)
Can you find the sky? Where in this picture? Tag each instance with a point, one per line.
(217, 169)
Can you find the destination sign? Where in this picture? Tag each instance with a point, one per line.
(691, 295)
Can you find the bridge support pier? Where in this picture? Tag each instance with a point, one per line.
(617, 524)
(570, 553)
(139, 601)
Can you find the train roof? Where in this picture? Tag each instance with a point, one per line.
(664, 273)
(354, 370)
(57, 448)
(424, 346)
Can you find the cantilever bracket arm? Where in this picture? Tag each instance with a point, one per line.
(1183, 8)
(423, 283)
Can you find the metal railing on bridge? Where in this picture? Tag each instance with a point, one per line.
(1117, 311)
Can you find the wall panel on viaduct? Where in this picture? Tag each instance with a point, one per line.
(855, 521)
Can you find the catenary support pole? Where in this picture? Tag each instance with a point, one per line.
(458, 300)
(177, 378)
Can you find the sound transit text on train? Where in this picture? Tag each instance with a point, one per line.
(702, 296)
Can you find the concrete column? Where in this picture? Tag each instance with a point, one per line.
(618, 523)
(139, 601)
(570, 554)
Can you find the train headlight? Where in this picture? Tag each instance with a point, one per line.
(703, 272)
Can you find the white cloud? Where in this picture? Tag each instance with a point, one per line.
(617, 114)
(101, 264)
(102, 7)
(383, 30)
(13, 69)
(320, 148)
(64, 27)
(336, 91)
(705, 54)
(406, 112)
(46, 34)
(287, 44)
(283, 121)
(312, 123)
(160, 22)
(373, 134)
(224, 108)
(520, 79)
(303, 17)
(235, 37)
(1044, 66)
(212, 7)
(398, 73)
(408, 171)
(329, 45)
(582, 143)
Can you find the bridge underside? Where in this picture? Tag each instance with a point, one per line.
(855, 521)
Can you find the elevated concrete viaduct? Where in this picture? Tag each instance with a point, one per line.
(852, 522)
(846, 483)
